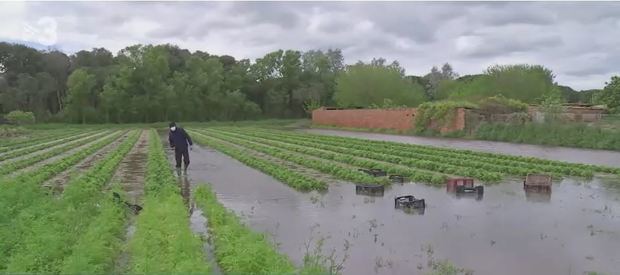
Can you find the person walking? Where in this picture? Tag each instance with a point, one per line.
(179, 140)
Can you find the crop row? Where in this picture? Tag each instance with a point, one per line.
(10, 167)
(98, 247)
(301, 152)
(44, 233)
(239, 250)
(510, 164)
(24, 190)
(283, 174)
(43, 145)
(399, 155)
(163, 241)
(26, 142)
(328, 167)
(435, 165)
(411, 173)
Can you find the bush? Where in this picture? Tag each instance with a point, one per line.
(569, 135)
(20, 117)
(502, 105)
(440, 112)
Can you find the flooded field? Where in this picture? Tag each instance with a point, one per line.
(575, 155)
(571, 230)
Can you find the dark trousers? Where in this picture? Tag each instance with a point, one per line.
(181, 153)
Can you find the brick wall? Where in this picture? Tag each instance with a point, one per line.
(395, 119)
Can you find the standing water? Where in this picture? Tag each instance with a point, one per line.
(571, 230)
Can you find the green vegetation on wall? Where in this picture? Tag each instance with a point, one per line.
(500, 104)
(439, 113)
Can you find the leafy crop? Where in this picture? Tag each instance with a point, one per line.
(40, 146)
(439, 165)
(46, 231)
(328, 167)
(334, 169)
(22, 163)
(238, 249)
(96, 249)
(14, 144)
(163, 241)
(24, 191)
(291, 178)
(514, 165)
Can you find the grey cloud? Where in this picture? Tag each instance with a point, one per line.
(282, 15)
(419, 35)
(594, 64)
(493, 46)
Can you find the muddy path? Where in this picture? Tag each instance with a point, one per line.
(130, 176)
(131, 171)
(571, 230)
(57, 183)
(597, 157)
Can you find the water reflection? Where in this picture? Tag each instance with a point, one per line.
(184, 186)
(464, 188)
(538, 194)
(574, 233)
(373, 190)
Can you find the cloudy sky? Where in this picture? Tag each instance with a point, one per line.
(580, 41)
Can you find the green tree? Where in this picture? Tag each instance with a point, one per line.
(366, 84)
(552, 105)
(437, 80)
(80, 89)
(610, 95)
(527, 83)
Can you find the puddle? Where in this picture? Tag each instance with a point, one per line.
(598, 157)
(198, 224)
(131, 171)
(573, 229)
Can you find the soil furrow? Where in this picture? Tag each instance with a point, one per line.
(42, 151)
(54, 143)
(57, 183)
(59, 156)
(130, 176)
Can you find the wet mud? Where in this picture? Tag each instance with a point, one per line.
(597, 157)
(198, 225)
(570, 230)
(130, 176)
(131, 171)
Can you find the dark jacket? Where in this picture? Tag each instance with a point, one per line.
(179, 139)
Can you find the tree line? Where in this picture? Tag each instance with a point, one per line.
(149, 83)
